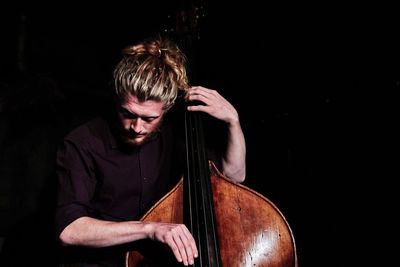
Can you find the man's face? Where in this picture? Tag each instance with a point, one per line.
(139, 120)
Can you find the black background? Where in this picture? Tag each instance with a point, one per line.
(314, 86)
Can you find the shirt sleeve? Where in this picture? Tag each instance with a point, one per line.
(76, 184)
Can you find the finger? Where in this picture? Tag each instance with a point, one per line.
(208, 93)
(181, 247)
(188, 243)
(201, 98)
(191, 241)
(201, 108)
(169, 240)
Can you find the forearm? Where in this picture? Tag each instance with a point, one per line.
(90, 232)
(86, 231)
(234, 160)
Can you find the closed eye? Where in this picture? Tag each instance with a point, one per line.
(129, 115)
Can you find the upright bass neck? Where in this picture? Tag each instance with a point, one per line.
(199, 214)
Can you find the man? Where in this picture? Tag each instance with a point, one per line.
(111, 171)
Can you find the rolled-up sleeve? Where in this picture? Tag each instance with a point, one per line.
(76, 183)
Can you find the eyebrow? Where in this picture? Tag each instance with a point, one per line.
(136, 115)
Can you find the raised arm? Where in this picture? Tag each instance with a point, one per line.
(234, 158)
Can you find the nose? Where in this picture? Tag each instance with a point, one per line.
(137, 125)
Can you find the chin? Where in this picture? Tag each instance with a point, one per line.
(139, 141)
(135, 142)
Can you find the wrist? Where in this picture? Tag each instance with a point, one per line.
(148, 229)
(234, 123)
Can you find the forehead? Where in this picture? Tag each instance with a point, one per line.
(133, 104)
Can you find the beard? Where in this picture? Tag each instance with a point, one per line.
(137, 140)
(133, 140)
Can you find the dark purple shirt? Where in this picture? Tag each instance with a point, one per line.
(97, 178)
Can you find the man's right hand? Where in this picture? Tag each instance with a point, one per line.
(178, 238)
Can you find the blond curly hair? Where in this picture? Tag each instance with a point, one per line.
(153, 69)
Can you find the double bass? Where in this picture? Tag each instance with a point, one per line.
(233, 225)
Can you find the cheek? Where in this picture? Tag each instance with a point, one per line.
(125, 123)
(152, 126)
